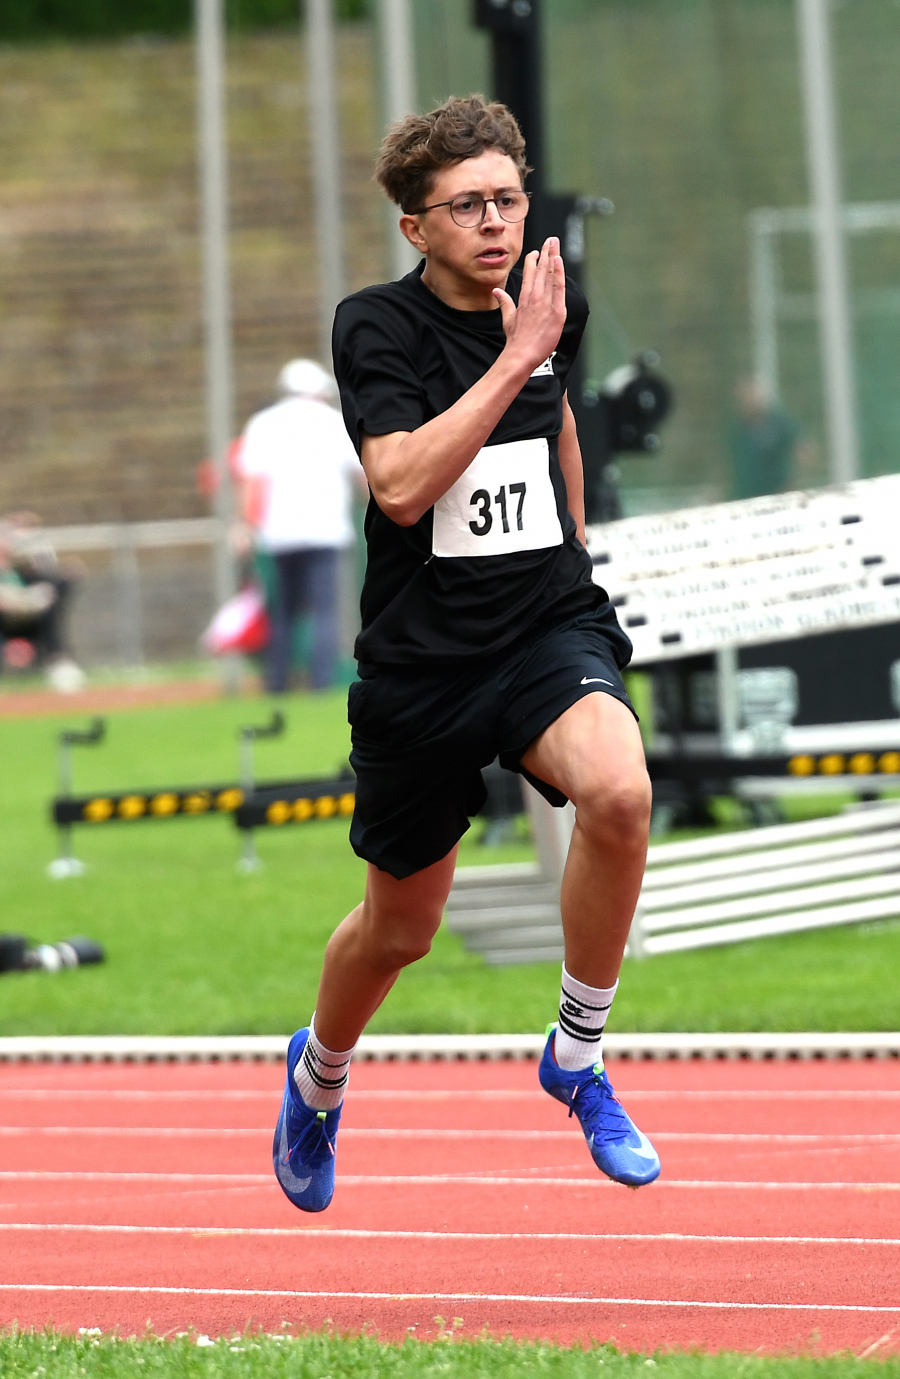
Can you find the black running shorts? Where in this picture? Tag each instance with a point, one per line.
(420, 738)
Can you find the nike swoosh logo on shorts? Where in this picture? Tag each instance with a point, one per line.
(597, 681)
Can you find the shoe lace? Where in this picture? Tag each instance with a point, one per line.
(602, 1109)
(313, 1145)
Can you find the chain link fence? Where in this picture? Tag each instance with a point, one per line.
(688, 116)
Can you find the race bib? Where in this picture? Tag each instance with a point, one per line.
(504, 502)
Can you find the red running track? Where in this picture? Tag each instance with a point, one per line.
(143, 1193)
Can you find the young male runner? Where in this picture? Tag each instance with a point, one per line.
(482, 631)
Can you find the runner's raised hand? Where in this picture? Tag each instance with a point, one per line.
(534, 326)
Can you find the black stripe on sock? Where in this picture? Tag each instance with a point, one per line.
(326, 1083)
(310, 1052)
(581, 1032)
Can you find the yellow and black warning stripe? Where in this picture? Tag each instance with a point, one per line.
(845, 764)
(147, 804)
(297, 804)
(714, 772)
(274, 802)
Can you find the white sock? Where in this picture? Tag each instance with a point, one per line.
(321, 1076)
(582, 1015)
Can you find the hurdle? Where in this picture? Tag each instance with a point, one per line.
(66, 863)
(250, 733)
(251, 803)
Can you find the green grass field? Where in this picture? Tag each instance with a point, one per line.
(322, 1356)
(195, 947)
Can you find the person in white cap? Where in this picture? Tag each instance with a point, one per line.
(299, 467)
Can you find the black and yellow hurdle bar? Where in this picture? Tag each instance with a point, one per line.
(252, 803)
(694, 767)
(271, 802)
(132, 805)
(276, 803)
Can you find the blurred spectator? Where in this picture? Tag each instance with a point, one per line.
(769, 452)
(298, 468)
(208, 474)
(34, 596)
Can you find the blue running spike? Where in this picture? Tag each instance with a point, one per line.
(303, 1151)
(618, 1147)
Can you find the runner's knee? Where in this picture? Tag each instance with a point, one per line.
(398, 948)
(396, 941)
(617, 813)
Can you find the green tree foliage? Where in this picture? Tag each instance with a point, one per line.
(30, 20)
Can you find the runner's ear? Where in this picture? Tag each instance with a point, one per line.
(411, 230)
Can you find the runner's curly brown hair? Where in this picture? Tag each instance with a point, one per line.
(417, 147)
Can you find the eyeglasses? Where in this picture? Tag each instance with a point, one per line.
(469, 210)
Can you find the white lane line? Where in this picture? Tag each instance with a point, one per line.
(341, 1233)
(428, 1180)
(760, 1094)
(141, 1094)
(542, 1298)
(177, 1195)
(349, 1132)
(438, 1094)
(99, 1176)
(739, 1137)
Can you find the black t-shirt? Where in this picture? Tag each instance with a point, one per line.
(498, 556)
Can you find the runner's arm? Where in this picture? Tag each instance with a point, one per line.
(570, 464)
(408, 471)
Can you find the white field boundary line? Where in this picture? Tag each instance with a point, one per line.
(378, 1047)
(354, 1296)
(838, 1141)
(342, 1233)
(453, 1094)
(218, 1180)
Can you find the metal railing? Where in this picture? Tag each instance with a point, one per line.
(134, 610)
(123, 542)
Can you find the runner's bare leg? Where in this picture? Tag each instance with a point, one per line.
(594, 755)
(392, 928)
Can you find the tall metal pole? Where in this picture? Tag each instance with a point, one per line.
(326, 165)
(515, 30)
(835, 325)
(764, 275)
(398, 98)
(213, 174)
